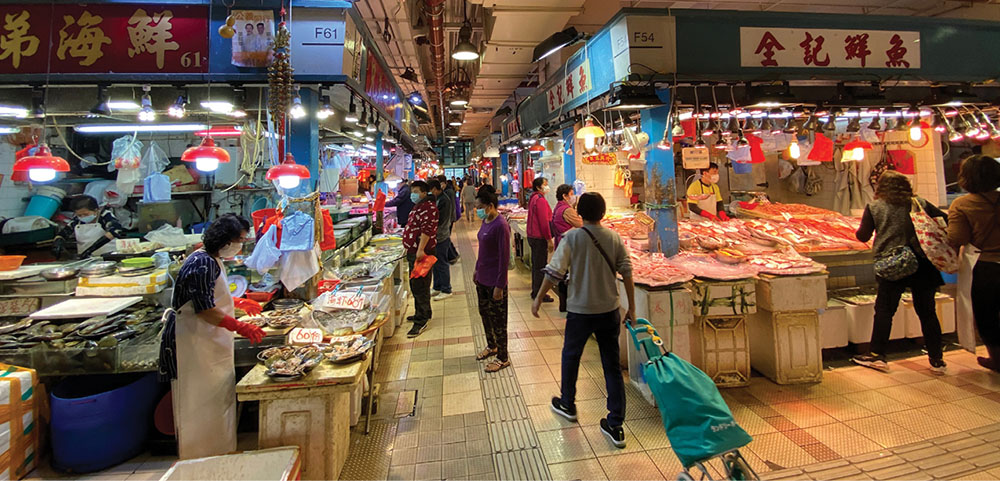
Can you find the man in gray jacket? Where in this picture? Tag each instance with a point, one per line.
(446, 216)
(594, 255)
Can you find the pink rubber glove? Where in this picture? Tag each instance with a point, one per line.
(249, 331)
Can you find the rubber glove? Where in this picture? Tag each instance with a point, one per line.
(247, 330)
(723, 216)
(708, 215)
(250, 306)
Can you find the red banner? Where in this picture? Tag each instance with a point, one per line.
(103, 39)
(378, 86)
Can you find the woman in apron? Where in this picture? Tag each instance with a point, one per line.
(974, 224)
(704, 199)
(204, 391)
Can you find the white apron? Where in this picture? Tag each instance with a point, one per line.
(706, 202)
(965, 322)
(204, 393)
(87, 234)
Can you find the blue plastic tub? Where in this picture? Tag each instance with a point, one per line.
(42, 206)
(100, 421)
(742, 167)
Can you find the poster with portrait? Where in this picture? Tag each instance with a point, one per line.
(252, 44)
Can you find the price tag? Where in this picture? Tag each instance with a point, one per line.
(695, 158)
(304, 336)
(348, 300)
(122, 245)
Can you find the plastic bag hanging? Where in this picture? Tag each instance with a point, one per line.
(154, 160)
(126, 156)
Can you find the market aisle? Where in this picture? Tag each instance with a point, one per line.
(467, 424)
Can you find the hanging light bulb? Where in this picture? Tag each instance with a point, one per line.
(970, 129)
(793, 149)
(875, 124)
(663, 144)
(721, 144)
(854, 125)
(288, 174)
(700, 144)
(915, 131)
(711, 127)
(734, 124)
(677, 130)
(373, 125)
(178, 109)
(297, 111)
(953, 134)
(326, 110)
(775, 126)
(352, 112)
(207, 156)
(831, 123)
(812, 124)
(589, 133)
(146, 112)
(42, 166)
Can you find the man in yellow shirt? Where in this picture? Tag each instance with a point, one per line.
(704, 197)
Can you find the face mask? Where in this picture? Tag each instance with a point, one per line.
(545, 189)
(86, 219)
(481, 213)
(414, 197)
(230, 250)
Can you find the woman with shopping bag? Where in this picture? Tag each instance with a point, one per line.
(973, 223)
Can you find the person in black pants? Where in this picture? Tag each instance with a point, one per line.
(974, 221)
(419, 240)
(889, 219)
(594, 255)
(539, 231)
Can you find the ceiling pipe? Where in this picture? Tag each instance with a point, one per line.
(435, 14)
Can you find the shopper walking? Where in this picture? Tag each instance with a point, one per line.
(974, 219)
(442, 269)
(402, 203)
(564, 218)
(539, 232)
(419, 240)
(889, 219)
(490, 278)
(594, 255)
(469, 200)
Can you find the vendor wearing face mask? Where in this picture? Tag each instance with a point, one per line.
(93, 229)
(197, 348)
(704, 197)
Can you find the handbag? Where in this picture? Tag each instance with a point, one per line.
(897, 263)
(933, 240)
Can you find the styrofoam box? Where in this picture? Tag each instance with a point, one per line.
(655, 307)
(945, 306)
(278, 464)
(861, 318)
(833, 326)
(791, 293)
(784, 346)
(724, 298)
(722, 349)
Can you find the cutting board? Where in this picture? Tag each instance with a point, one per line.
(79, 308)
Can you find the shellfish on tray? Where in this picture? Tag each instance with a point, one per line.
(281, 322)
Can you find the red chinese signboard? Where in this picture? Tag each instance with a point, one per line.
(827, 48)
(379, 86)
(103, 39)
(602, 158)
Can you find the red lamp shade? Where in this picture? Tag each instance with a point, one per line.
(42, 166)
(537, 148)
(207, 156)
(288, 174)
(856, 149)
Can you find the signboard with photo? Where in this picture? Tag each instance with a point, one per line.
(252, 44)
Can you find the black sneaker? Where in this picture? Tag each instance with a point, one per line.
(938, 366)
(871, 361)
(568, 412)
(616, 434)
(416, 330)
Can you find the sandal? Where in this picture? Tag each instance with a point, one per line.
(496, 365)
(485, 354)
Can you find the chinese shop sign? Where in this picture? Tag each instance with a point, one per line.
(602, 159)
(574, 84)
(103, 38)
(827, 48)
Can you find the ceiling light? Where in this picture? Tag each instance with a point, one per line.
(455, 122)
(239, 109)
(352, 112)
(590, 133)
(415, 98)
(465, 50)
(875, 124)
(555, 42)
(146, 112)
(121, 105)
(326, 110)
(363, 121)
(458, 101)
(297, 111)
(721, 144)
(6, 130)
(100, 109)
(207, 156)
(793, 149)
(854, 125)
(178, 109)
(130, 128)
(217, 106)
(372, 126)
(288, 174)
(632, 97)
(42, 166)
(408, 74)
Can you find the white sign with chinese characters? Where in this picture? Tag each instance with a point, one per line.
(828, 48)
(575, 83)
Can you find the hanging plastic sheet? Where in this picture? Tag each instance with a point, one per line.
(126, 157)
(297, 267)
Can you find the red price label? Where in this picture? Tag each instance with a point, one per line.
(305, 336)
(348, 301)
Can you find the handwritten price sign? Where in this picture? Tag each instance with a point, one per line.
(301, 336)
(348, 300)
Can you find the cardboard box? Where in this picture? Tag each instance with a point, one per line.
(23, 405)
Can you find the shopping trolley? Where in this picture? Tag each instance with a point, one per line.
(697, 420)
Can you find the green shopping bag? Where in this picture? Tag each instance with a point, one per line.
(696, 418)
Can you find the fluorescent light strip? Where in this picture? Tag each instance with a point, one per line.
(122, 105)
(128, 128)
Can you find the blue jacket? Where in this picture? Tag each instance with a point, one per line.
(402, 203)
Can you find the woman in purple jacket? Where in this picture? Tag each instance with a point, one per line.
(490, 278)
(564, 218)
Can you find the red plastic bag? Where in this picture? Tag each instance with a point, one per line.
(903, 161)
(329, 241)
(423, 266)
(822, 150)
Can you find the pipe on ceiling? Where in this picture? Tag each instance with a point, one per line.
(435, 14)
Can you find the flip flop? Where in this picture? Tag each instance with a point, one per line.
(496, 365)
(485, 353)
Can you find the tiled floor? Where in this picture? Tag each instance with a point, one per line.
(441, 417)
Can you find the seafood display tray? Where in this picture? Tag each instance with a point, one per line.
(97, 360)
(36, 286)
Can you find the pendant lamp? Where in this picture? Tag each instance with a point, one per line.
(207, 156)
(288, 173)
(857, 147)
(42, 166)
(589, 134)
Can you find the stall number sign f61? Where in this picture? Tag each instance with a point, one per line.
(348, 300)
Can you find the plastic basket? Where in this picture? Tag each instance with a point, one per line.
(10, 263)
(259, 217)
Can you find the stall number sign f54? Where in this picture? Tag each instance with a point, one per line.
(348, 300)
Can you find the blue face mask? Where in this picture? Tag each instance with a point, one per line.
(87, 218)
(414, 197)
(481, 213)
